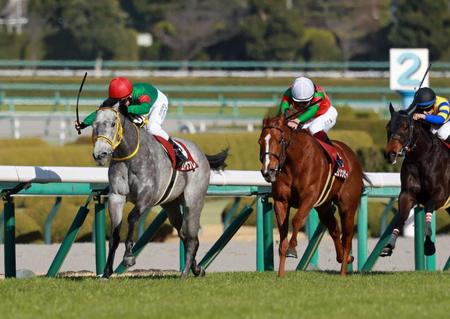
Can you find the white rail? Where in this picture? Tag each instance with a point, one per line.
(62, 174)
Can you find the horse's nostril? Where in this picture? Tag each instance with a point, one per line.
(100, 156)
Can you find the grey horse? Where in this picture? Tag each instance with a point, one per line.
(140, 172)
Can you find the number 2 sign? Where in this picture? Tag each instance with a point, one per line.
(407, 67)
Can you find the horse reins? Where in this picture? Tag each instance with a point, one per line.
(117, 138)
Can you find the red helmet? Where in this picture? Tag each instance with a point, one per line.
(120, 87)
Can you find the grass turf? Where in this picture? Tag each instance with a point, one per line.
(232, 295)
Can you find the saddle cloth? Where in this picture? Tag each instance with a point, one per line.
(331, 151)
(446, 144)
(171, 153)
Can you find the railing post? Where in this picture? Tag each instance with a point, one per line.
(100, 239)
(419, 256)
(362, 230)
(226, 236)
(311, 225)
(268, 233)
(49, 220)
(10, 237)
(69, 239)
(259, 234)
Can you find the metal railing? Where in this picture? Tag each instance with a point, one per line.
(93, 182)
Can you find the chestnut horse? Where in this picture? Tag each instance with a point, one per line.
(425, 172)
(302, 177)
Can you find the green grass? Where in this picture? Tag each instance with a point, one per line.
(232, 295)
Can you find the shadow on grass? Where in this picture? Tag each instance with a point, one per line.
(151, 274)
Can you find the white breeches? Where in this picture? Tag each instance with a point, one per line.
(442, 131)
(157, 115)
(323, 122)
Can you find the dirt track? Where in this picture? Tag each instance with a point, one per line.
(238, 255)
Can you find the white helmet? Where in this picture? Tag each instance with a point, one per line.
(302, 89)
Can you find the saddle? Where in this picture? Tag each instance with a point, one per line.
(332, 153)
(190, 164)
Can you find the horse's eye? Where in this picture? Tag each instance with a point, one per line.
(113, 124)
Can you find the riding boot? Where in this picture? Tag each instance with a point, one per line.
(180, 158)
(323, 136)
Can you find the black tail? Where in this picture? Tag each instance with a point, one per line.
(217, 161)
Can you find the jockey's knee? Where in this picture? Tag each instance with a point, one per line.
(156, 129)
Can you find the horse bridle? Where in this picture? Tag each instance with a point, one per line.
(117, 138)
(281, 157)
(409, 145)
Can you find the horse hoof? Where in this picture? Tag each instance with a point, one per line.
(291, 253)
(129, 261)
(184, 275)
(200, 272)
(105, 276)
(386, 251)
(429, 247)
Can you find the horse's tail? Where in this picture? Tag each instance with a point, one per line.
(217, 161)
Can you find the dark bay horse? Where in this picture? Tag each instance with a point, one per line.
(141, 172)
(425, 172)
(302, 177)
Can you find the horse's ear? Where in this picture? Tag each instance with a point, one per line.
(391, 108)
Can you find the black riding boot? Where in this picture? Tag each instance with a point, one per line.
(180, 158)
(324, 137)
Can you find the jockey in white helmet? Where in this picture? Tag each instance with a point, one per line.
(314, 109)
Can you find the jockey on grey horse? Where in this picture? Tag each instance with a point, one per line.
(147, 104)
(141, 172)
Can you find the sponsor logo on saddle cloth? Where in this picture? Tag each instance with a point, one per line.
(189, 165)
(332, 154)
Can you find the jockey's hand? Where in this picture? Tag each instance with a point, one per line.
(79, 126)
(293, 123)
(418, 116)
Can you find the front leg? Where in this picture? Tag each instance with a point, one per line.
(116, 203)
(282, 215)
(429, 248)
(128, 258)
(406, 201)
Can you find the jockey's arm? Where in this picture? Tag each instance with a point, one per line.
(441, 116)
(284, 104)
(88, 120)
(309, 114)
(142, 108)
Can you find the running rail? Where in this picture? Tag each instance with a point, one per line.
(99, 175)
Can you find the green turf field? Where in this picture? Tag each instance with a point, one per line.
(232, 295)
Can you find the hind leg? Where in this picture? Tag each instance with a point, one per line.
(326, 215)
(115, 205)
(185, 217)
